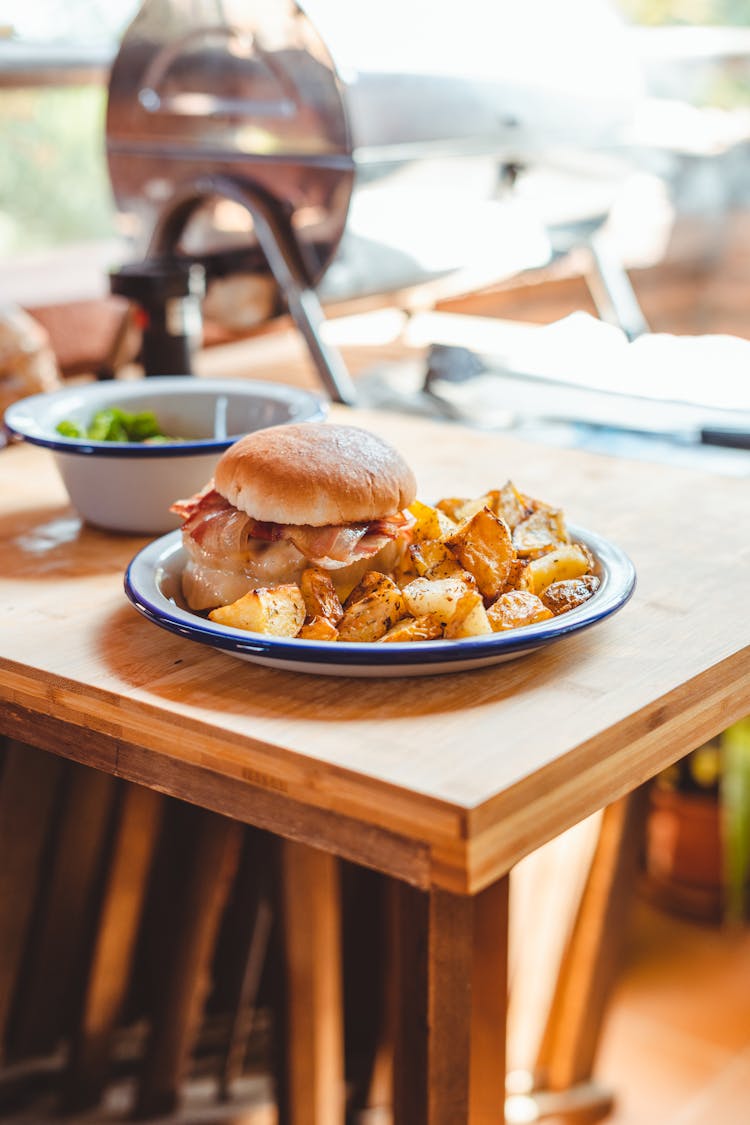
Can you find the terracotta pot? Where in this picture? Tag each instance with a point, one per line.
(684, 864)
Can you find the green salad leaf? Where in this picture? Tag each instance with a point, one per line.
(114, 424)
(70, 429)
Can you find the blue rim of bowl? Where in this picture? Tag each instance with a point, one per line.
(618, 583)
(80, 446)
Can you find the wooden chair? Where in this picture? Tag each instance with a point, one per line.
(93, 872)
(29, 783)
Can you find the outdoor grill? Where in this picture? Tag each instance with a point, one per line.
(339, 150)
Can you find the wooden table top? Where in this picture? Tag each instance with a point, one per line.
(442, 781)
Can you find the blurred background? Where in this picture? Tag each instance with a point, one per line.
(661, 246)
(684, 201)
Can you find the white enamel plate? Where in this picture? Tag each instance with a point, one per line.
(153, 583)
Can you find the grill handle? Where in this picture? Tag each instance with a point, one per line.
(285, 261)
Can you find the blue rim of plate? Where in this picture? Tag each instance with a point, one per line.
(147, 569)
(17, 424)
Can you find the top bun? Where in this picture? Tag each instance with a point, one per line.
(314, 473)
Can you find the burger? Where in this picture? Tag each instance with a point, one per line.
(289, 497)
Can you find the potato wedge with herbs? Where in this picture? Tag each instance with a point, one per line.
(450, 568)
(430, 523)
(542, 531)
(470, 618)
(319, 592)
(370, 581)
(440, 598)
(516, 608)
(405, 570)
(512, 505)
(565, 595)
(470, 507)
(279, 612)
(451, 504)
(568, 561)
(517, 567)
(484, 547)
(432, 559)
(371, 609)
(427, 628)
(318, 629)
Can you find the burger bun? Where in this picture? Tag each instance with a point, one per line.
(315, 474)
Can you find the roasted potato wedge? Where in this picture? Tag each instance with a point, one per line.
(542, 531)
(375, 609)
(319, 592)
(484, 547)
(427, 554)
(470, 508)
(318, 629)
(279, 611)
(405, 570)
(440, 597)
(430, 523)
(450, 505)
(516, 608)
(565, 595)
(470, 618)
(517, 567)
(427, 628)
(512, 505)
(366, 585)
(566, 561)
(432, 559)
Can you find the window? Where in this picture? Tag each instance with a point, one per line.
(54, 59)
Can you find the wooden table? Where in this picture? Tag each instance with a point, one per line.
(444, 782)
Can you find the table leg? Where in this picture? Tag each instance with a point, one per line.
(108, 970)
(248, 955)
(315, 1092)
(196, 905)
(451, 965)
(57, 949)
(29, 783)
(489, 1006)
(589, 971)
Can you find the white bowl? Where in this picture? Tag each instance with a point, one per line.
(129, 486)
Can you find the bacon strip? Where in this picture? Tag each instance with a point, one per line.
(221, 529)
(214, 524)
(206, 499)
(332, 542)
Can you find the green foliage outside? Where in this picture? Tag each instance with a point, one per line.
(722, 86)
(701, 13)
(735, 798)
(720, 769)
(54, 185)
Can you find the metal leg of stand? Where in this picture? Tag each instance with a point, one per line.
(612, 292)
(284, 259)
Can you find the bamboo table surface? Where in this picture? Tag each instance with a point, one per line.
(446, 781)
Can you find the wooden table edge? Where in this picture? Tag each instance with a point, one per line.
(464, 849)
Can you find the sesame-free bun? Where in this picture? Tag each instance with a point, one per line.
(315, 473)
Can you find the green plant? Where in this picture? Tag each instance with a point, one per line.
(702, 12)
(715, 775)
(735, 810)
